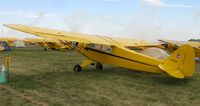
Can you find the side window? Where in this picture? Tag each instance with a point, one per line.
(104, 48)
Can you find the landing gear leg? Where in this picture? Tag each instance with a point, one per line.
(86, 63)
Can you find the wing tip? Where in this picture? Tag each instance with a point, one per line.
(8, 25)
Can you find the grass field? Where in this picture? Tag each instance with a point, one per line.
(46, 78)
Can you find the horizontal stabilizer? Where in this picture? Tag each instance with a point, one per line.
(173, 72)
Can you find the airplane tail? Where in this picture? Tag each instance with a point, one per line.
(181, 63)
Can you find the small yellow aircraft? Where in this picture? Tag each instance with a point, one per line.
(35, 41)
(172, 45)
(56, 44)
(7, 43)
(10, 41)
(106, 50)
(47, 43)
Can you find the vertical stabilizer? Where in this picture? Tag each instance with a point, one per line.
(181, 63)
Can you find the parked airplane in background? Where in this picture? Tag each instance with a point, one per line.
(47, 43)
(7, 43)
(106, 50)
(35, 42)
(172, 45)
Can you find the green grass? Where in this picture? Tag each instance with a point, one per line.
(46, 78)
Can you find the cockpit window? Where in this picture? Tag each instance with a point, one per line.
(105, 48)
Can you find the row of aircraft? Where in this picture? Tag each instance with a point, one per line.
(171, 45)
(7, 43)
(47, 43)
(122, 52)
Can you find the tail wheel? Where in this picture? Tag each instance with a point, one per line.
(99, 66)
(45, 49)
(77, 68)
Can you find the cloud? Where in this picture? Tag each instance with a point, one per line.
(24, 17)
(28, 14)
(159, 3)
(144, 25)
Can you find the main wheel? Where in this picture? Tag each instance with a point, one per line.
(77, 68)
(45, 49)
(99, 66)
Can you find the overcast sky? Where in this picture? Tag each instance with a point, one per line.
(143, 19)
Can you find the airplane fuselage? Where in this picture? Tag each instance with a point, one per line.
(121, 57)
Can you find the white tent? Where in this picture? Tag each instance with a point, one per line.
(19, 44)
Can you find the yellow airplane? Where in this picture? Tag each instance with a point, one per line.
(7, 43)
(35, 41)
(56, 44)
(47, 43)
(106, 50)
(10, 41)
(172, 45)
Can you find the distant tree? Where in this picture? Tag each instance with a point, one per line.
(196, 40)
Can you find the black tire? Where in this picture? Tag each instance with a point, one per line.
(45, 49)
(99, 66)
(53, 48)
(77, 68)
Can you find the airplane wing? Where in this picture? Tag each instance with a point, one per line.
(60, 35)
(135, 42)
(194, 44)
(177, 43)
(180, 43)
(76, 37)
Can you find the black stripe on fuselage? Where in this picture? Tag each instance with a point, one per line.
(117, 56)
